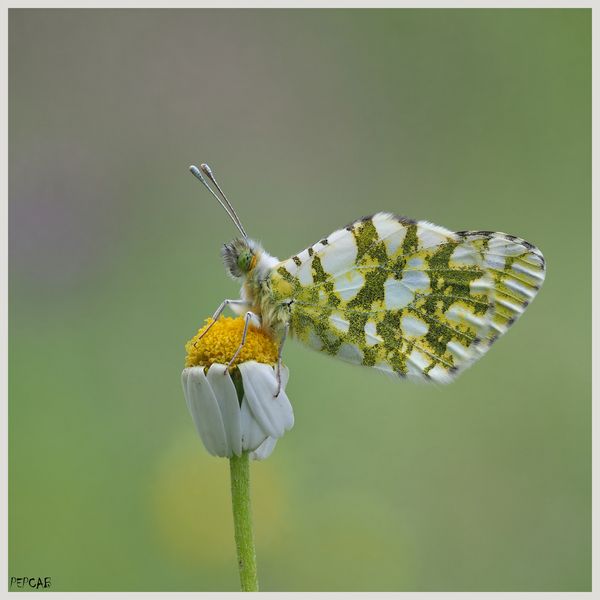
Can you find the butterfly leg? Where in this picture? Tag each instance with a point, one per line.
(217, 314)
(283, 337)
(249, 316)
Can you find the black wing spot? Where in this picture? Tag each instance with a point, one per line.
(351, 226)
(542, 259)
(406, 220)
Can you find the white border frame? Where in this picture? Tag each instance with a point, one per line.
(321, 4)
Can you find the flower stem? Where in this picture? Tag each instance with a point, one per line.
(242, 521)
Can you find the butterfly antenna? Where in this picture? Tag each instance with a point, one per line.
(208, 172)
(226, 205)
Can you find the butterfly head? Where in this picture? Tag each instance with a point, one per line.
(240, 256)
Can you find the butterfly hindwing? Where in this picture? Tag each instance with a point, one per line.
(407, 297)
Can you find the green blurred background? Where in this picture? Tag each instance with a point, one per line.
(473, 119)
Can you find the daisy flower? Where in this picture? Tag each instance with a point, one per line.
(234, 407)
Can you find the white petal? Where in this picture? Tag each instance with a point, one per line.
(274, 414)
(264, 450)
(205, 411)
(252, 433)
(222, 386)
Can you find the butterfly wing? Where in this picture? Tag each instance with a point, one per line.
(408, 297)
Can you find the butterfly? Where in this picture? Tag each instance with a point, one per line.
(402, 296)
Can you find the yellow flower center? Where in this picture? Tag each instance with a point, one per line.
(221, 341)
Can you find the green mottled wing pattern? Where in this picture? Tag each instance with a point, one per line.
(408, 297)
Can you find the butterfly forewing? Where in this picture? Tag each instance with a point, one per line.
(408, 297)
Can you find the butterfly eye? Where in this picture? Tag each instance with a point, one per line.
(244, 261)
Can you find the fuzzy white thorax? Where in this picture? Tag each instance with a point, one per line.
(264, 265)
(265, 262)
